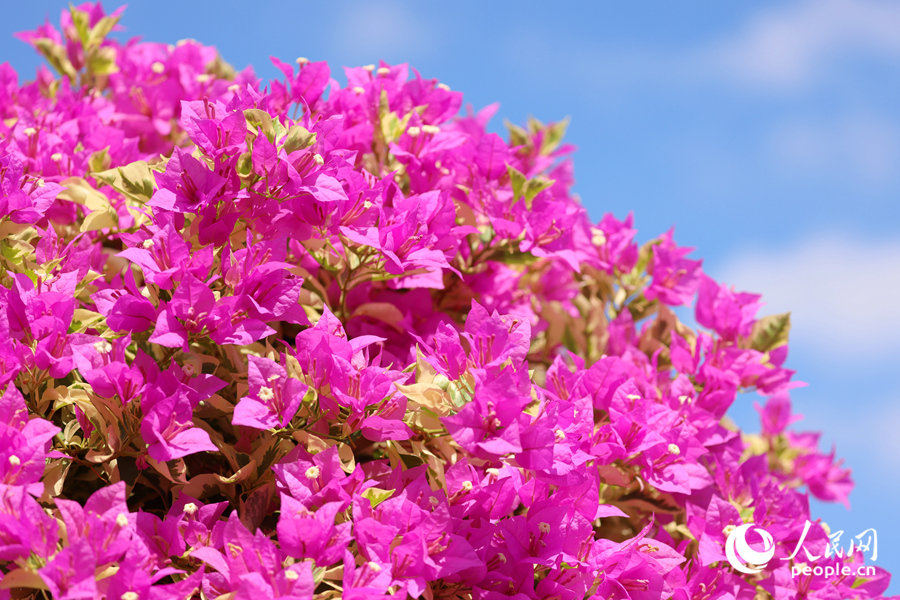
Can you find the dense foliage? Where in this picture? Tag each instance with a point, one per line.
(313, 341)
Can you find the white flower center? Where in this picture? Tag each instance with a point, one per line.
(266, 393)
(544, 527)
(313, 472)
(103, 347)
(190, 508)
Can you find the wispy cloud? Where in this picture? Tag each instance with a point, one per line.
(870, 433)
(866, 146)
(368, 32)
(789, 47)
(842, 293)
(784, 48)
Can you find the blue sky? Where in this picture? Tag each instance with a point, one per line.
(768, 133)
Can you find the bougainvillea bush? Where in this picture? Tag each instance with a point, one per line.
(298, 340)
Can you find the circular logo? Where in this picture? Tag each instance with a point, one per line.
(739, 551)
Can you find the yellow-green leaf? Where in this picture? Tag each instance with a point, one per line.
(257, 118)
(771, 332)
(526, 188)
(376, 496)
(81, 192)
(298, 137)
(134, 181)
(100, 219)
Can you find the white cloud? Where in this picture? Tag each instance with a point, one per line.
(368, 32)
(865, 146)
(868, 429)
(842, 292)
(780, 49)
(789, 47)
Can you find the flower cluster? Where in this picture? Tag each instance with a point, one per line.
(311, 341)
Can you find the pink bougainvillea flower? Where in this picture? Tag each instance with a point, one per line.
(274, 397)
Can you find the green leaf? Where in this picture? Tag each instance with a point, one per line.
(518, 258)
(257, 118)
(411, 461)
(82, 22)
(535, 186)
(771, 332)
(80, 191)
(298, 137)
(100, 219)
(134, 180)
(56, 56)
(553, 136)
(517, 179)
(99, 160)
(102, 61)
(376, 496)
(526, 188)
(517, 135)
(101, 30)
(392, 126)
